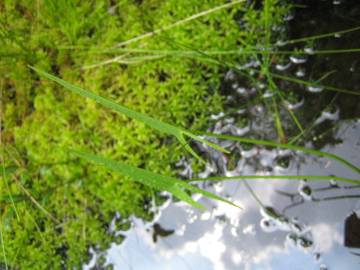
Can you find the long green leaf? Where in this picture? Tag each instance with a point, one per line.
(166, 128)
(159, 182)
(279, 177)
(287, 146)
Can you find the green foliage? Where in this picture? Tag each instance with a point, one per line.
(60, 206)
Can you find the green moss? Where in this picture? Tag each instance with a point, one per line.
(42, 120)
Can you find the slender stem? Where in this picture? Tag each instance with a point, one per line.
(3, 246)
(287, 146)
(278, 177)
(180, 22)
(321, 36)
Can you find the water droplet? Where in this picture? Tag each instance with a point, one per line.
(217, 116)
(268, 94)
(289, 17)
(333, 183)
(315, 89)
(327, 115)
(294, 106)
(230, 75)
(268, 225)
(300, 73)
(309, 50)
(280, 43)
(305, 191)
(297, 60)
(283, 67)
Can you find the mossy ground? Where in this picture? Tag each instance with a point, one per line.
(61, 206)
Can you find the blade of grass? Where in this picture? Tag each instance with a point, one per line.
(293, 41)
(287, 146)
(3, 244)
(162, 127)
(156, 181)
(311, 124)
(3, 169)
(326, 87)
(279, 177)
(180, 22)
(36, 203)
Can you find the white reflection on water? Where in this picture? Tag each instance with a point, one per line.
(229, 238)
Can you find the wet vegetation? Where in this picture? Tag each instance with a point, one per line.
(189, 80)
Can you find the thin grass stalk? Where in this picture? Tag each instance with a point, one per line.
(3, 244)
(326, 87)
(156, 181)
(278, 177)
(3, 171)
(315, 37)
(162, 127)
(180, 22)
(286, 146)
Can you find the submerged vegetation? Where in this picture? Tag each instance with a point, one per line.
(155, 62)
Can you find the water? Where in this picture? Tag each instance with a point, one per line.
(283, 224)
(292, 228)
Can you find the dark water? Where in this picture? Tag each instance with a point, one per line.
(284, 224)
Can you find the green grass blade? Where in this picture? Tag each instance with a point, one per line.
(279, 177)
(322, 36)
(287, 146)
(3, 245)
(156, 181)
(180, 22)
(326, 87)
(152, 122)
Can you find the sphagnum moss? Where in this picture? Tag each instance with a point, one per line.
(42, 122)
